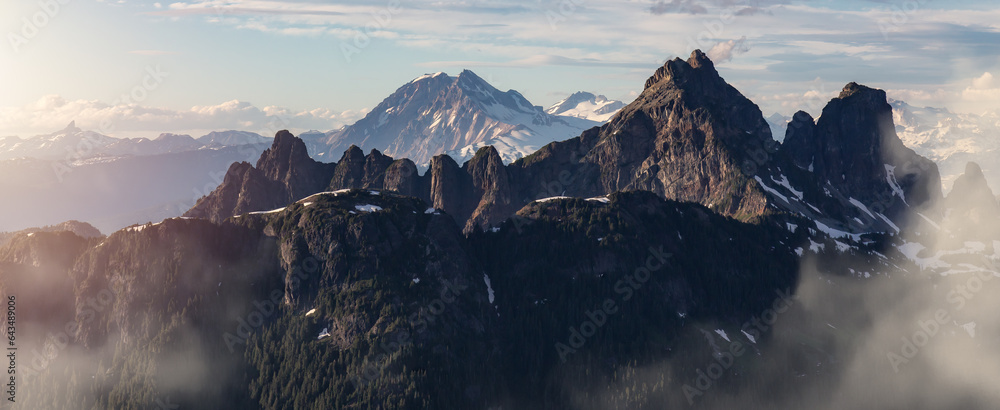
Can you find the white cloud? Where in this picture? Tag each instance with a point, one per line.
(724, 51)
(983, 93)
(831, 47)
(811, 101)
(53, 112)
(929, 97)
(984, 82)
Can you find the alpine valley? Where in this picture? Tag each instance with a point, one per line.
(664, 253)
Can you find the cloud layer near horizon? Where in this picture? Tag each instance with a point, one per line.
(785, 55)
(53, 112)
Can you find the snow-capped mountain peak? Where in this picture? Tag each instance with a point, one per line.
(440, 114)
(587, 105)
(68, 142)
(511, 103)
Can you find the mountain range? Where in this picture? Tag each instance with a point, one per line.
(950, 139)
(112, 182)
(677, 255)
(74, 145)
(437, 114)
(468, 111)
(689, 136)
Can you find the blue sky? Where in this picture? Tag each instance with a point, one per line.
(257, 65)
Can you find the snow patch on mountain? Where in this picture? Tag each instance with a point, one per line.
(425, 76)
(890, 178)
(489, 288)
(273, 211)
(722, 333)
(368, 208)
(552, 198)
(770, 190)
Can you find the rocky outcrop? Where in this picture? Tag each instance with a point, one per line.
(448, 186)
(402, 177)
(491, 190)
(288, 163)
(284, 173)
(357, 170)
(852, 153)
(81, 229)
(350, 170)
(972, 191)
(375, 168)
(970, 208)
(44, 249)
(800, 136)
(243, 189)
(685, 137)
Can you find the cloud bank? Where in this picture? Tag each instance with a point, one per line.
(53, 112)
